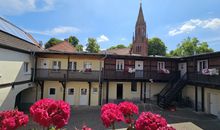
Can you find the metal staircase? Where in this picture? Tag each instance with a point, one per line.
(171, 91)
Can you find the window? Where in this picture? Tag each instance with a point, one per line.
(133, 86)
(56, 65)
(160, 65)
(83, 91)
(202, 64)
(119, 65)
(87, 65)
(26, 67)
(94, 90)
(71, 91)
(72, 65)
(52, 91)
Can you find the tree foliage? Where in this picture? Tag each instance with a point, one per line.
(156, 47)
(79, 48)
(53, 41)
(191, 46)
(119, 46)
(73, 40)
(92, 46)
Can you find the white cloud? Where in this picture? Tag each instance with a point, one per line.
(57, 31)
(102, 38)
(192, 24)
(14, 7)
(123, 39)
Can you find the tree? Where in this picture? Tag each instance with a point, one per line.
(53, 41)
(119, 46)
(79, 48)
(73, 40)
(191, 46)
(92, 46)
(156, 47)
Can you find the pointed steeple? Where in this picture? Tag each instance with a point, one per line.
(140, 20)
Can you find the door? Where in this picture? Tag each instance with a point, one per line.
(119, 91)
(214, 104)
(182, 68)
(83, 96)
(70, 96)
(139, 67)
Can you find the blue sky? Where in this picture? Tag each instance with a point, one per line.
(112, 22)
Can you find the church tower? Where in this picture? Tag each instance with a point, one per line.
(140, 41)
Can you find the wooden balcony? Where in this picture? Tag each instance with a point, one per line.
(140, 75)
(66, 75)
(200, 78)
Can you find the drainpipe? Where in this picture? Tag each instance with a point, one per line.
(100, 74)
(34, 62)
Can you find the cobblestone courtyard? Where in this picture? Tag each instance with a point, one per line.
(91, 117)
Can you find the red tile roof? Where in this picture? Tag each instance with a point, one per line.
(63, 47)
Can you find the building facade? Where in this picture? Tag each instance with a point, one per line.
(28, 73)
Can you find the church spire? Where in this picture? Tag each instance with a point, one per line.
(140, 41)
(140, 20)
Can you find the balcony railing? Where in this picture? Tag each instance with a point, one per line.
(203, 79)
(138, 75)
(62, 75)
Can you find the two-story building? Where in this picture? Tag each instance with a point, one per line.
(82, 78)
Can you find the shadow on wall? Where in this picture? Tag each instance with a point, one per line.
(8, 94)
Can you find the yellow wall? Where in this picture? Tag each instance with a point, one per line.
(77, 86)
(12, 70)
(189, 91)
(151, 90)
(80, 63)
(12, 66)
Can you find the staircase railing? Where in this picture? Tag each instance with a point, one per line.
(170, 94)
(169, 85)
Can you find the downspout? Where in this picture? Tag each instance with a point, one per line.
(34, 65)
(100, 76)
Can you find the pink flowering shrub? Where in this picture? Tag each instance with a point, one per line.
(150, 121)
(49, 112)
(11, 120)
(128, 109)
(110, 114)
(85, 127)
(108, 106)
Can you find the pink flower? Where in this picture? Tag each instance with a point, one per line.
(11, 120)
(110, 114)
(49, 112)
(109, 106)
(150, 121)
(86, 128)
(128, 109)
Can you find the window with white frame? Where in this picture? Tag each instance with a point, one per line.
(133, 86)
(52, 91)
(94, 90)
(119, 65)
(71, 91)
(26, 67)
(56, 65)
(72, 65)
(202, 64)
(87, 65)
(160, 65)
